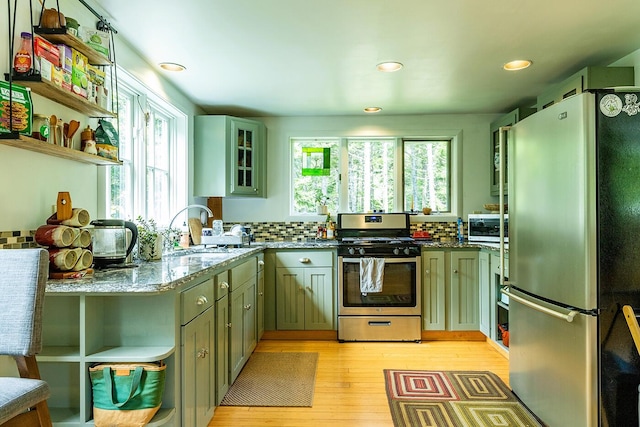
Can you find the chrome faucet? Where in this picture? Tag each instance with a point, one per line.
(189, 207)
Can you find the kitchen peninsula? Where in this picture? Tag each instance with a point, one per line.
(201, 311)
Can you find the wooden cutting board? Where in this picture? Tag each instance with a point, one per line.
(195, 228)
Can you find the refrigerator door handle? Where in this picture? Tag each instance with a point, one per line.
(568, 317)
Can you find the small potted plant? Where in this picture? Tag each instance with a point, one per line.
(149, 239)
(322, 205)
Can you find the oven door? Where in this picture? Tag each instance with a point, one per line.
(401, 288)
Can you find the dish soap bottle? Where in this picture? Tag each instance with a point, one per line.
(460, 231)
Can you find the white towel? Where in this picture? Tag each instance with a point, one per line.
(371, 274)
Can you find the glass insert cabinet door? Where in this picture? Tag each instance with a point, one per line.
(508, 119)
(245, 167)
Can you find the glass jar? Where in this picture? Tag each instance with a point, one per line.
(40, 127)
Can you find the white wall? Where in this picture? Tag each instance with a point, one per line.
(475, 155)
(30, 182)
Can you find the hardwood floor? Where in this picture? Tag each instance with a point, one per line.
(349, 388)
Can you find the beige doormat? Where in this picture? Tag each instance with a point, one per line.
(275, 379)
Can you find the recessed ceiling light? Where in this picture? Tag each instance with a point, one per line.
(518, 64)
(389, 67)
(172, 66)
(372, 110)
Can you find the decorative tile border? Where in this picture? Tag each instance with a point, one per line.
(262, 232)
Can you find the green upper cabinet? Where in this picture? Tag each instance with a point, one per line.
(508, 119)
(229, 157)
(585, 79)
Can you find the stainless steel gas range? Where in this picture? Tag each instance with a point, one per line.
(379, 289)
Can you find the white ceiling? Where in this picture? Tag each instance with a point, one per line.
(302, 57)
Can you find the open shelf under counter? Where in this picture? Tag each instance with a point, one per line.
(131, 354)
(59, 354)
(60, 36)
(43, 147)
(65, 416)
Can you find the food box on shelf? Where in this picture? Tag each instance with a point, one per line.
(78, 60)
(96, 39)
(18, 110)
(66, 79)
(66, 57)
(79, 80)
(44, 49)
(45, 69)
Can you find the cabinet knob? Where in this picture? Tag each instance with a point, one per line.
(224, 285)
(260, 294)
(304, 260)
(247, 307)
(427, 271)
(202, 353)
(228, 325)
(202, 300)
(260, 262)
(455, 271)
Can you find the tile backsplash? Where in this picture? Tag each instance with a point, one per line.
(262, 232)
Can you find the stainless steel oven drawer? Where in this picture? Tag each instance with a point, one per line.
(379, 328)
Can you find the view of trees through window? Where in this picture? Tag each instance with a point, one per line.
(371, 177)
(311, 190)
(426, 175)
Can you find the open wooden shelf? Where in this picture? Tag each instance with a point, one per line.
(61, 96)
(60, 36)
(43, 147)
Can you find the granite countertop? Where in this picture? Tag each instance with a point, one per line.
(176, 269)
(163, 275)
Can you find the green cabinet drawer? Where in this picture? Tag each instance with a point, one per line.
(304, 259)
(243, 272)
(196, 300)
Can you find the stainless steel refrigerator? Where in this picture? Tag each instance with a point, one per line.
(574, 256)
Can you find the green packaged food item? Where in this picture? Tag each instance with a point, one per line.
(107, 140)
(18, 109)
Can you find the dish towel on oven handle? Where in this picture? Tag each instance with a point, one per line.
(371, 274)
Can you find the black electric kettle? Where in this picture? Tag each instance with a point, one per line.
(110, 241)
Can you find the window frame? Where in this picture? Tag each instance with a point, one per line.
(178, 152)
(455, 136)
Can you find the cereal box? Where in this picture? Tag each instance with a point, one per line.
(44, 49)
(15, 114)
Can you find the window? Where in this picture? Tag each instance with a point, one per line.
(426, 175)
(371, 175)
(310, 190)
(386, 174)
(152, 179)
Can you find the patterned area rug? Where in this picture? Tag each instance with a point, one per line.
(274, 379)
(453, 398)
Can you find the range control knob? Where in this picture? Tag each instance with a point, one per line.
(396, 251)
(407, 251)
(361, 251)
(352, 251)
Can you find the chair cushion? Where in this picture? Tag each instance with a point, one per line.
(19, 394)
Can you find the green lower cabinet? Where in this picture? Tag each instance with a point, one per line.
(222, 348)
(484, 289)
(434, 304)
(450, 290)
(242, 306)
(304, 298)
(198, 370)
(463, 304)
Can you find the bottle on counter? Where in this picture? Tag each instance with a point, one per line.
(460, 230)
(23, 58)
(184, 236)
(331, 230)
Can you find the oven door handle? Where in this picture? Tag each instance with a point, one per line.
(386, 260)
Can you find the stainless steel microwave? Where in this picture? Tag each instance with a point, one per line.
(486, 228)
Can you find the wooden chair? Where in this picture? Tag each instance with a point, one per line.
(23, 277)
